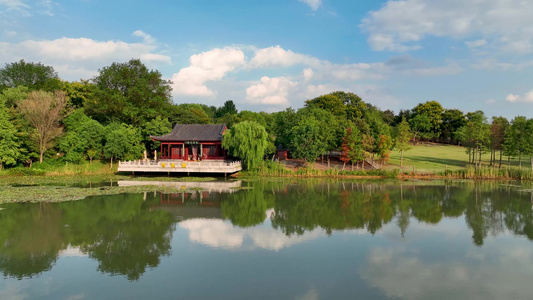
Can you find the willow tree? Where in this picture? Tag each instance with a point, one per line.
(247, 140)
(44, 111)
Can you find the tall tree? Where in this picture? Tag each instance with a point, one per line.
(129, 93)
(497, 137)
(433, 110)
(227, 109)
(403, 136)
(34, 76)
(516, 139)
(122, 142)
(420, 125)
(248, 141)
(9, 143)
(352, 148)
(44, 111)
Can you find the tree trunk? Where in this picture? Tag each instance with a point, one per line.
(90, 160)
(41, 156)
(111, 167)
(352, 166)
(501, 154)
(343, 165)
(401, 158)
(520, 160)
(2, 163)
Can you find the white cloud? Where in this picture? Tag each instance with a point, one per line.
(207, 66)
(14, 4)
(75, 58)
(314, 4)
(476, 44)
(400, 25)
(148, 39)
(270, 91)
(527, 97)
(276, 56)
(307, 73)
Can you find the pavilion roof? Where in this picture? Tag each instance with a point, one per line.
(193, 132)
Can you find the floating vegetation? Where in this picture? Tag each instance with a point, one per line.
(32, 194)
(242, 188)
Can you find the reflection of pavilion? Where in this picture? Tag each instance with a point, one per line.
(209, 186)
(191, 204)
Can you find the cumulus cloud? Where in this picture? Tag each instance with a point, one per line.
(207, 66)
(76, 58)
(270, 91)
(527, 97)
(400, 25)
(276, 56)
(314, 4)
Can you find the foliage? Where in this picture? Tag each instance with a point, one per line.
(306, 140)
(122, 142)
(433, 110)
(420, 124)
(9, 143)
(34, 76)
(189, 114)
(352, 149)
(403, 136)
(156, 127)
(247, 140)
(128, 93)
(227, 109)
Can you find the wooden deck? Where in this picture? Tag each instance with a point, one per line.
(179, 166)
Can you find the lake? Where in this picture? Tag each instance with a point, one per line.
(275, 240)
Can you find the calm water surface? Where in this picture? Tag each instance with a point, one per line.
(277, 240)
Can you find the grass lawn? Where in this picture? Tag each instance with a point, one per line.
(436, 157)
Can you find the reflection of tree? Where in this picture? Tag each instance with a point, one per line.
(119, 233)
(334, 208)
(247, 208)
(31, 239)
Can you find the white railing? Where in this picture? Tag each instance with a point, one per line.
(169, 165)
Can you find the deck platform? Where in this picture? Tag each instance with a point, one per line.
(179, 166)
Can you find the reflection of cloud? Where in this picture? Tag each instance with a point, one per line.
(214, 233)
(14, 292)
(72, 252)
(502, 271)
(312, 294)
(217, 233)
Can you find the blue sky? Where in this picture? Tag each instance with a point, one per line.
(269, 55)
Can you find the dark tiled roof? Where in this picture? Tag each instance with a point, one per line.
(193, 132)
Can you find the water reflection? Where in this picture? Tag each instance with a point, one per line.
(129, 234)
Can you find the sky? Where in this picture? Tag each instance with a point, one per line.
(269, 55)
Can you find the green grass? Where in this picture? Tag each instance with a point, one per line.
(436, 158)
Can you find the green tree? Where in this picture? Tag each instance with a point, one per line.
(9, 143)
(420, 124)
(434, 111)
(11, 96)
(452, 119)
(227, 109)
(403, 136)
(475, 136)
(158, 126)
(307, 140)
(34, 76)
(122, 142)
(516, 139)
(498, 128)
(247, 140)
(78, 92)
(44, 111)
(129, 93)
(189, 113)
